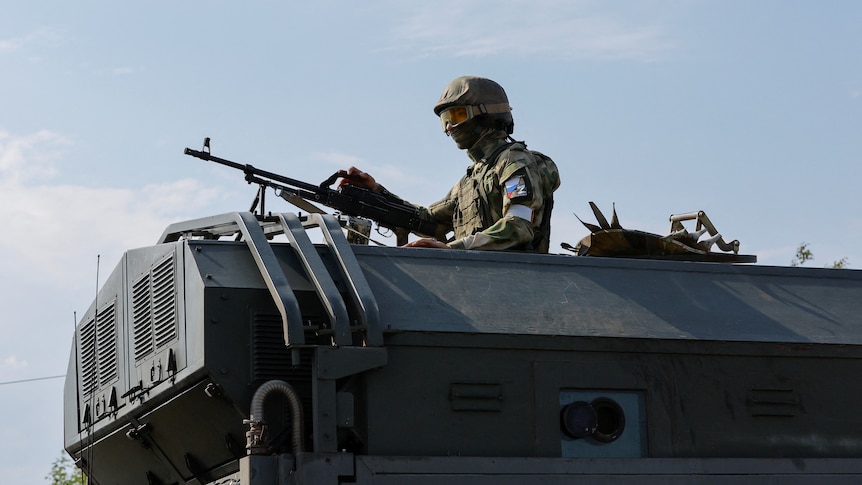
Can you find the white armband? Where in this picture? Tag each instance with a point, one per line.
(521, 211)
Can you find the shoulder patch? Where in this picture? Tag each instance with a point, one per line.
(518, 186)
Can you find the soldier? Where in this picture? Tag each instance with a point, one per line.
(504, 200)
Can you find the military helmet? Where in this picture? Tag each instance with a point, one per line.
(480, 96)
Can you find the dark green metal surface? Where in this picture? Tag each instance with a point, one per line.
(455, 366)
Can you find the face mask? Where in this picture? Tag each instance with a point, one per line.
(467, 133)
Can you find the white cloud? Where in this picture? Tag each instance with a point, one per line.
(13, 363)
(119, 71)
(10, 45)
(54, 230)
(57, 226)
(29, 156)
(560, 30)
(394, 176)
(339, 160)
(42, 35)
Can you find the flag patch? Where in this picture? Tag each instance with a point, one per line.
(515, 187)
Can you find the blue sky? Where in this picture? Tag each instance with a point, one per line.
(750, 111)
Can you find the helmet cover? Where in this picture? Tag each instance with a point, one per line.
(484, 94)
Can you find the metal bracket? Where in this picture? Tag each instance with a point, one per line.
(257, 232)
(358, 288)
(702, 222)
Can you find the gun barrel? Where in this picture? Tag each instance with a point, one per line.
(206, 156)
(250, 169)
(355, 201)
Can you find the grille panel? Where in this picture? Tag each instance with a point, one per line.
(99, 357)
(106, 341)
(164, 302)
(154, 309)
(270, 358)
(142, 317)
(87, 335)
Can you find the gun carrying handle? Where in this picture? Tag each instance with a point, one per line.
(331, 180)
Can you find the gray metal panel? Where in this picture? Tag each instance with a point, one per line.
(463, 291)
(256, 236)
(326, 468)
(151, 369)
(480, 346)
(317, 274)
(378, 470)
(92, 390)
(348, 269)
(275, 280)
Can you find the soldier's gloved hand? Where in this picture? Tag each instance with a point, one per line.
(354, 176)
(427, 242)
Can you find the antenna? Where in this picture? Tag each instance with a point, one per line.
(77, 368)
(90, 453)
(77, 377)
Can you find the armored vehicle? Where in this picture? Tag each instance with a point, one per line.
(238, 351)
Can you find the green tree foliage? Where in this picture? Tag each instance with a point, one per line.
(804, 254)
(64, 473)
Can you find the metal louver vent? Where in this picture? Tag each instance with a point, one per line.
(154, 316)
(99, 359)
(106, 342)
(142, 320)
(270, 358)
(164, 302)
(87, 335)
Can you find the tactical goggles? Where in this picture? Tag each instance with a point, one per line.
(455, 115)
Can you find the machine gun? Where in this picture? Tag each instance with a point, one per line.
(387, 210)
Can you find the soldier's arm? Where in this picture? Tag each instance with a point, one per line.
(522, 198)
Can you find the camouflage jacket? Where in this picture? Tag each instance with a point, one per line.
(504, 200)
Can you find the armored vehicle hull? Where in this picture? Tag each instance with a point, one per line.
(210, 360)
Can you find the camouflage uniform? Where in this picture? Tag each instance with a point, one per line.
(478, 208)
(504, 200)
